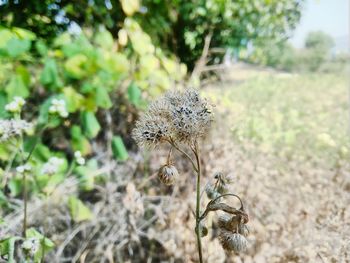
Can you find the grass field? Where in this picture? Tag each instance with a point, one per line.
(289, 152)
(299, 116)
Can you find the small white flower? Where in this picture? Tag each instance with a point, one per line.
(31, 246)
(16, 105)
(23, 168)
(13, 128)
(77, 154)
(78, 158)
(58, 107)
(52, 166)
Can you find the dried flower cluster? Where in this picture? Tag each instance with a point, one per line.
(233, 232)
(220, 187)
(177, 116)
(13, 128)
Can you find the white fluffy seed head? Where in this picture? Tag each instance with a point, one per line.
(232, 241)
(179, 116)
(168, 174)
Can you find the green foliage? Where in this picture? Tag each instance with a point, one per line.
(178, 27)
(315, 56)
(119, 149)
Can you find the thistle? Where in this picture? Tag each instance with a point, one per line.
(182, 119)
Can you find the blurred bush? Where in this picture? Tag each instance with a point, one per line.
(317, 55)
(94, 74)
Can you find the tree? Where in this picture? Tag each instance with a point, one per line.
(178, 26)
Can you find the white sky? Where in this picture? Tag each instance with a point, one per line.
(330, 16)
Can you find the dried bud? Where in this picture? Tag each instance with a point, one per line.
(211, 192)
(203, 230)
(167, 174)
(232, 241)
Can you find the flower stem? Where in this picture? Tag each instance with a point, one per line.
(198, 198)
(25, 199)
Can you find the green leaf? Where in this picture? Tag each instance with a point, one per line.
(104, 39)
(87, 174)
(102, 98)
(73, 99)
(75, 66)
(15, 186)
(24, 73)
(134, 94)
(41, 47)
(78, 210)
(130, 6)
(49, 76)
(44, 119)
(23, 33)
(7, 247)
(45, 243)
(116, 63)
(119, 150)
(16, 87)
(90, 124)
(16, 47)
(79, 141)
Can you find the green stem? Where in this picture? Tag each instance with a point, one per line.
(24, 179)
(198, 198)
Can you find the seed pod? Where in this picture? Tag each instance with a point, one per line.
(243, 230)
(228, 222)
(232, 241)
(168, 174)
(203, 230)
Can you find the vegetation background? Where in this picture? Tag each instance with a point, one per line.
(281, 129)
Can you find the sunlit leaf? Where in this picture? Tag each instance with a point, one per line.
(78, 210)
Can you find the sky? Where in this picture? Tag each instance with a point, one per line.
(330, 16)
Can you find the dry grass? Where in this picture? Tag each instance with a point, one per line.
(298, 207)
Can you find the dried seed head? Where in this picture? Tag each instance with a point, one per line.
(211, 192)
(232, 241)
(180, 116)
(243, 229)
(151, 130)
(168, 174)
(229, 222)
